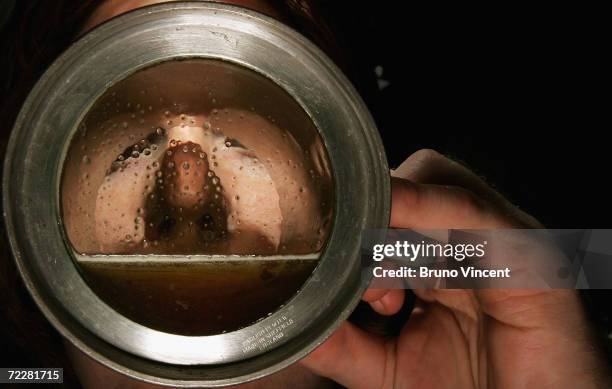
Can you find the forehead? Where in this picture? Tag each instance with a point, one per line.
(111, 8)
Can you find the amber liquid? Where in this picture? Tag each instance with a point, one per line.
(199, 297)
(183, 162)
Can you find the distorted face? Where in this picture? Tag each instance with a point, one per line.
(196, 157)
(201, 188)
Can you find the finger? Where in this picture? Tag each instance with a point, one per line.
(385, 301)
(430, 167)
(353, 358)
(423, 206)
(419, 206)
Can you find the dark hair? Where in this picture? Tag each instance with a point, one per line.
(34, 34)
(39, 30)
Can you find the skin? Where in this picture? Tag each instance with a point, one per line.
(90, 372)
(454, 338)
(500, 338)
(251, 203)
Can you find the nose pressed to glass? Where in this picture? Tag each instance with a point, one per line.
(197, 196)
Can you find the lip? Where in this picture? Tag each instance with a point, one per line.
(39, 143)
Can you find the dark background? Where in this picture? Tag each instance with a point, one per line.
(517, 92)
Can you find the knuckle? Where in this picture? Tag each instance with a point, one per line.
(470, 201)
(427, 155)
(405, 203)
(406, 193)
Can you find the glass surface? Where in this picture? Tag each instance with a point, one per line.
(197, 196)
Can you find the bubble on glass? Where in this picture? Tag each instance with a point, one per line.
(171, 195)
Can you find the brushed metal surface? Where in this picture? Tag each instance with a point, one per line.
(196, 156)
(63, 96)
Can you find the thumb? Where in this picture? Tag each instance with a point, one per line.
(354, 359)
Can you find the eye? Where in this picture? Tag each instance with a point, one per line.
(152, 141)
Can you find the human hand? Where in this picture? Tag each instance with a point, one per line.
(502, 338)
